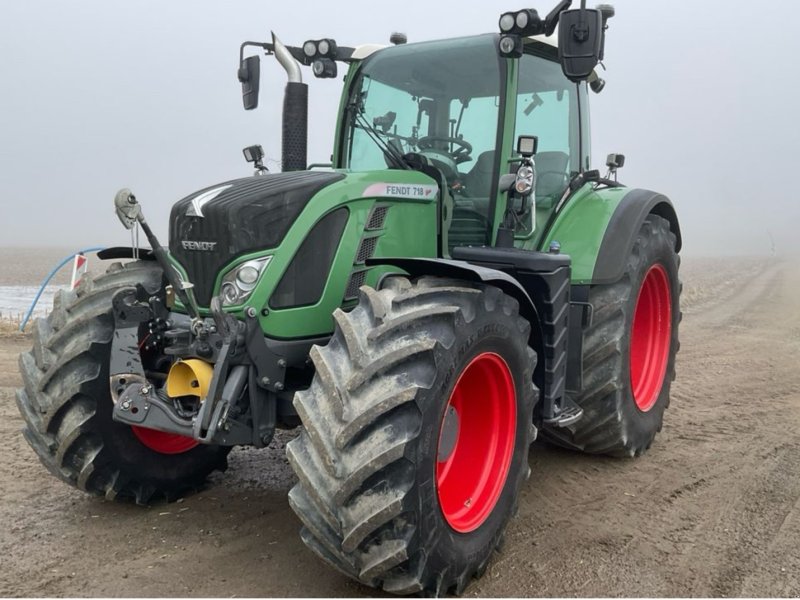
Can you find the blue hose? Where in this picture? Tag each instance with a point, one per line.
(49, 277)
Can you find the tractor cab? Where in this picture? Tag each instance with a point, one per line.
(459, 106)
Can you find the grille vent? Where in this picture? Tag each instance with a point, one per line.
(357, 279)
(366, 250)
(377, 217)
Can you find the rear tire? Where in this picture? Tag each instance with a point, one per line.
(373, 494)
(624, 401)
(67, 406)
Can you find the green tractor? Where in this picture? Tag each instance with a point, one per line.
(456, 282)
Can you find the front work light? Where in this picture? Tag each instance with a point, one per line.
(325, 48)
(507, 22)
(310, 49)
(524, 22)
(510, 46)
(253, 154)
(324, 68)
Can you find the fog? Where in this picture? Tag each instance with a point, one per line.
(98, 95)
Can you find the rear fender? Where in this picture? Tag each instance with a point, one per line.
(623, 228)
(598, 228)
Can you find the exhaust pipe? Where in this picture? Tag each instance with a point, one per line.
(294, 147)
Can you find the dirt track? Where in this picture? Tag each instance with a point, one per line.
(713, 509)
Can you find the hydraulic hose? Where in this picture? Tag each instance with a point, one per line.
(50, 276)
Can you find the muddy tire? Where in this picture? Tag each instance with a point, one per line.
(385, 492)
(67, 406)
(629, 351)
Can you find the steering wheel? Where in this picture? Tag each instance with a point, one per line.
(460, 154)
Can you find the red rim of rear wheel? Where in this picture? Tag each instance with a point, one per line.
(163, 442)
(651, 337)
(476, 442)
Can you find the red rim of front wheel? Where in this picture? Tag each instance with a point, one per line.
(651, 337)
(163, 442)
(476, 442)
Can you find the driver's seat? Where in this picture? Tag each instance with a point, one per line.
(479, 179)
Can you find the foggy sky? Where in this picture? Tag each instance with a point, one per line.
(97, 95)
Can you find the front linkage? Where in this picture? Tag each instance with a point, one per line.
(232, 403)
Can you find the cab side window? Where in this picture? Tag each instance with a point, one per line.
(547, 107)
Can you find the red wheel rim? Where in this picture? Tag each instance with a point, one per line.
(651, 337)
(476, 442)
(163, 442)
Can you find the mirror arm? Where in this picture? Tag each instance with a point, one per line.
(551, 21)
(343, 54)
(267, 47)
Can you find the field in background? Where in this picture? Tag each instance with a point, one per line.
(22, 271)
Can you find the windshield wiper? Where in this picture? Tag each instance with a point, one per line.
(392, 154)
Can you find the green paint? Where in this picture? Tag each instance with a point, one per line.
(508, 143)
(580, 228)
(409, 231)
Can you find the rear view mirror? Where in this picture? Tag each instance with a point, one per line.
(250, 76)
(580, 42)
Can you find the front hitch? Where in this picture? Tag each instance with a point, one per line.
(239, 360)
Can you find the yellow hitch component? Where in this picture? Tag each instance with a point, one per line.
(189, 378)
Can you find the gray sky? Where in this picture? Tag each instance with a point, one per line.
(102, 94)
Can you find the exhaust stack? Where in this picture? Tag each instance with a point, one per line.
(294, 149)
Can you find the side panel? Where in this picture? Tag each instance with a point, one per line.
(597, 228)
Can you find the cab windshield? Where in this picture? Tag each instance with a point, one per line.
(442, 100)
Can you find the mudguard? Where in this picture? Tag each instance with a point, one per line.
(598, 228)
(125, 252)
(623, 228)
(443, 267)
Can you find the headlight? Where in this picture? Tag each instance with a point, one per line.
(526, 179)
(247, 275)
(239, 283)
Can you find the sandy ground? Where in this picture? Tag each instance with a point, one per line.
(713, 509)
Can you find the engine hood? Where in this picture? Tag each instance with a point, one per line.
(212, 227)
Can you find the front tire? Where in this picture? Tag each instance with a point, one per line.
(417, 429)
(67, 407)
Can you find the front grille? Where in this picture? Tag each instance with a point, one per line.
(357, 279)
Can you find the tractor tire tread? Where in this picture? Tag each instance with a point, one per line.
(60, 387)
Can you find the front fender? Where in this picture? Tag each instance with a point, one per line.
(458, 269)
